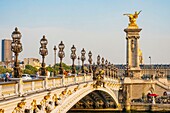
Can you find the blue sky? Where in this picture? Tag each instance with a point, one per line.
(95, 25)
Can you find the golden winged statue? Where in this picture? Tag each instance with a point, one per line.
(132, 19)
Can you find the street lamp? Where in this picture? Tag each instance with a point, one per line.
(150, 65)
(98, 60)
(55, 48)
(16, 47)
(83, 58)
(106, 65)
(90, 61)
(61, 55)
(78, 64)
(109, 67)
(102, 63)
(112, 67)
(43, 52)
(73, 57)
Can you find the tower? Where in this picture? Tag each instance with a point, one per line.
(6, 50)
(132, 49)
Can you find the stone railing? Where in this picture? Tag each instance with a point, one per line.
(111, 79)
(8, 89)
(17, 87)
(163, 85)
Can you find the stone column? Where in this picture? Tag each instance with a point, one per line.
(45, 81)
(20, 85)
(128, 98)
(132, 37)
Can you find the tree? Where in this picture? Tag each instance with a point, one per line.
(65, 67)
(50, 69)
(4, 70)
(29, 69)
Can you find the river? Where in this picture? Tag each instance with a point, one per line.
(113, 112)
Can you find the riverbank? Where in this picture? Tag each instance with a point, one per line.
(135, 108)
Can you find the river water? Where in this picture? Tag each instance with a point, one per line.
(114, 112)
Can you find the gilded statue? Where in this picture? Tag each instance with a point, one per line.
(69, 92)
(34, 104)
(132, 19)
(1, 110)
(55, 99)
(19, 108)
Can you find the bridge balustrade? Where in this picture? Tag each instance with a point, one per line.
(33, 86)
(88, 77)
(110, 79)
(8, 89)
(21, 88)
(70, 80)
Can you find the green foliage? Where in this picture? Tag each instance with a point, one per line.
(27, 71)
(4, 70)
(65, 67)
(49, 68)
(30, 69)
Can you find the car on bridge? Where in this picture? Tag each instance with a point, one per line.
(26, 77)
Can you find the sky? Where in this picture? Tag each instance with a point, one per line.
(95, 25)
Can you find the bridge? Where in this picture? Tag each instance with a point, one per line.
(59, 94)
(103, 86)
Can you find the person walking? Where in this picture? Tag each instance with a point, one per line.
(7, 77)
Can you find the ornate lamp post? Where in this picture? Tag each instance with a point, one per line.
(112, 67)
(98, 60)
(83, 58)
(150, 66)
(43, 52)
(73, 57)
(61, 55)
(102, 63)
(78, 64)
(90, 61)
(106, 65)
(116, 70)
(55, 48)
(109, 67)
(16, 47)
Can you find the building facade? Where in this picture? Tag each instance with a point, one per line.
(33, 62)
(6, 50)
(147, 70)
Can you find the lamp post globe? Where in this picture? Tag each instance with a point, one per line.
(83, 58)
(43, 41)
(90, 61)
(43, 52)
(16, 35)
(98, 60)
(16, 47)
(61, 55)
(73, 57)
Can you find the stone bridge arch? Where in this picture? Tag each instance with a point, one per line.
(71, 100)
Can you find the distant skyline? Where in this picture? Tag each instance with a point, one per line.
(96, 25)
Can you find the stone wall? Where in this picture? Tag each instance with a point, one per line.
(139, 89)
